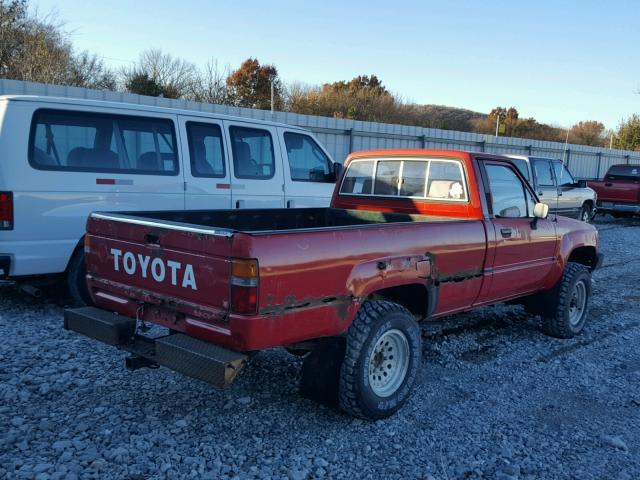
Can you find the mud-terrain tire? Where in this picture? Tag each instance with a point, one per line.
(586, 213)
(382, 358)
(76, 280)
(567, 305)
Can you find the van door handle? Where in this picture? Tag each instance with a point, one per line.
(608, 184)
(540, 193)
(239, 203)
(506, 232)
(291, 204)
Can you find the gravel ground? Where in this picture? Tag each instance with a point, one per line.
(497, 399)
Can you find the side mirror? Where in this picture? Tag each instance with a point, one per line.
(541, 210)
(335, 171)
(581, 184)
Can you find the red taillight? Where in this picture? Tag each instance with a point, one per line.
(6, 211)
(244, 286)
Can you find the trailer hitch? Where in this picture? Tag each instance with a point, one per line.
(136, 362)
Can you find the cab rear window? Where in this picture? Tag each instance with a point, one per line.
(95, 142)
(624, 172)
(422, 178)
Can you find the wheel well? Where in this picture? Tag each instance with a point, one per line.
(587, 256)
(78, 247)
(588, 202)
(413, 297)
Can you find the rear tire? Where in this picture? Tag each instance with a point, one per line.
(567, 305)
(381, 362)
(586, 212)
(77, 280)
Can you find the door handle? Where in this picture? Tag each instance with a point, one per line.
(540, 193)
(239, 203)
(559, 194)
(506, 232)
(291, 204)
(608, 184)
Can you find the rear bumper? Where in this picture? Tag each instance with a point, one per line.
(182, 353)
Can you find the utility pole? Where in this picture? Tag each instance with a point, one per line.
(611, 142)
(273, 109)
(497, 123)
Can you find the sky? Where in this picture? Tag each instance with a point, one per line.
(557, 61)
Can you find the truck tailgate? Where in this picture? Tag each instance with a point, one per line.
(160, 262)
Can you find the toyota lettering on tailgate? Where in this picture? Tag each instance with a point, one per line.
(144, 264)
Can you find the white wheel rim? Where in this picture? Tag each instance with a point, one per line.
(388, 363)
(577, 303)
(585, 216)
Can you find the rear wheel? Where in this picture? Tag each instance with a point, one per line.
(586, 212)
(77, 281)
(567, 305)
(381, 361)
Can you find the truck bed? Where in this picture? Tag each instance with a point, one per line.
(265, 221)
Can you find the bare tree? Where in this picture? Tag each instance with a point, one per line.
(211, 84)
(177, 77)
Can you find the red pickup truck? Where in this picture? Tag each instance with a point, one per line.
(410, 235)
(619, 192)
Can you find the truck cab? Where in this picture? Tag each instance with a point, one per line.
(556, 187)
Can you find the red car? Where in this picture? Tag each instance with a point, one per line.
(619, 192)
(411, 235)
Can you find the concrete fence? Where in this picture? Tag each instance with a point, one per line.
(342, 136)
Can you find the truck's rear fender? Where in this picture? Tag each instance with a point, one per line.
(404, 279)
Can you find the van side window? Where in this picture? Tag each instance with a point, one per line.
(253, 156)
(205, 150)
(307, 161)
(93, 142)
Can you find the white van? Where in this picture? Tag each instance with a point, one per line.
(62, 158)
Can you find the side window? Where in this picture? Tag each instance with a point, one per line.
(445, 181)
(149, 148)
(253, 156)
(359, 178)
(542, 169)
(307, 161)
(563, 176)
(206, 152)
(507, 192)
(92, 142)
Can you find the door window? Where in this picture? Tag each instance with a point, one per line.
(563, 175)
(542, 169)
(253, 156)
(507, 192)
(205, 150)
(307, 161)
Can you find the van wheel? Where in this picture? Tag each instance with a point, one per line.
(77, 281)
(586, 213)
(381, 362)
(568, 303)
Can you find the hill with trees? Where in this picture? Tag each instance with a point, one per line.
(39, 49)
